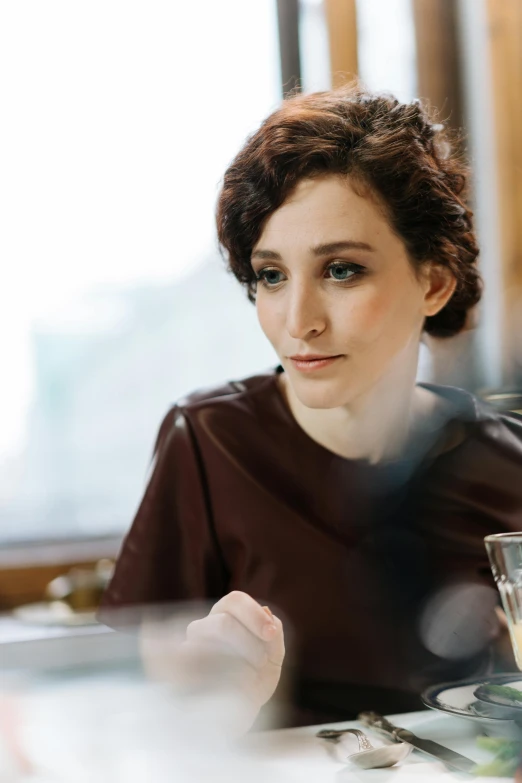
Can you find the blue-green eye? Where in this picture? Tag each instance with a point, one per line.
(343, 272)
(270, 277)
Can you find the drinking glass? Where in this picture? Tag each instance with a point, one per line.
(505, 555)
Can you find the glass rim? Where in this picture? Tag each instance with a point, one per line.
(499, 537)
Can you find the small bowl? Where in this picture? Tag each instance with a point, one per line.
(496, 701)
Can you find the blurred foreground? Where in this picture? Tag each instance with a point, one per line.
(124, 707)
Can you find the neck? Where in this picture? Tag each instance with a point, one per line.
(375, 425)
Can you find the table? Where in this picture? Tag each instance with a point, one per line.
(282, 756)
(70, 722)
(297, 755)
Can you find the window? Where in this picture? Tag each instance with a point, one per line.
(386, 46)
(119, 120)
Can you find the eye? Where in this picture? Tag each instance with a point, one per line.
(270, 277)
(343, 271)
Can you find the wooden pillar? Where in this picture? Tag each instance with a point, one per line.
(440, 84)
(289, 54)
(504, 20)
(342, 38)
(439, 72)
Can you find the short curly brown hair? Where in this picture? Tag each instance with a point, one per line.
(396, 149)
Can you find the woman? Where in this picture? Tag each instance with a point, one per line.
(335, 489)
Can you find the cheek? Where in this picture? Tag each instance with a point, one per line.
(364, 319)
(269, 318)
(376, 319)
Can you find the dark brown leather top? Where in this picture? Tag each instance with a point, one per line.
(347, 553)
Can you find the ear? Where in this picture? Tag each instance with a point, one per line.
(439, 286)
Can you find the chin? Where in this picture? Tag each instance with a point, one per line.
(320, 394)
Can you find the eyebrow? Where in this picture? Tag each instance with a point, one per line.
(318, 250)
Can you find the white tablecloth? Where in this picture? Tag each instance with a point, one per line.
(105, 732)
(297, 755)
(101, 731)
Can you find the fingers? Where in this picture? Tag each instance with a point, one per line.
(501, 615)
(254, 633)
(224, 632)
(249, 613)
(275, 649)
(238, 646)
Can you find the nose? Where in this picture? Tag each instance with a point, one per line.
(305, 315)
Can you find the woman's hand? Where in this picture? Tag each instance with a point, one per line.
(237, 648)
(249, 635)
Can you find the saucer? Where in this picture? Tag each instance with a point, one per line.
(459, 699)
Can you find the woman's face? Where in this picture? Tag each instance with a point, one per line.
(337, 295)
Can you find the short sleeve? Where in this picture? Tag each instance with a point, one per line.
(472, 491)
(170, 553)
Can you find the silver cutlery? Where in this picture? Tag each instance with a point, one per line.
(450, 758)
(366, 757)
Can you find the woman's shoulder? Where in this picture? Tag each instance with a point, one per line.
(229, 392)
(472, 485)
(482, 430)
(231, 404)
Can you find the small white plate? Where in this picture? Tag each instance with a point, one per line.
(53, 613)
(458, 699)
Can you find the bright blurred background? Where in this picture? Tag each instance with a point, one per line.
(119, 119)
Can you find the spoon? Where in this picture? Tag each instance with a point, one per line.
(367, 757)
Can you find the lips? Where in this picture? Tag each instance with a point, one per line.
(312, 362)
(311, 357)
